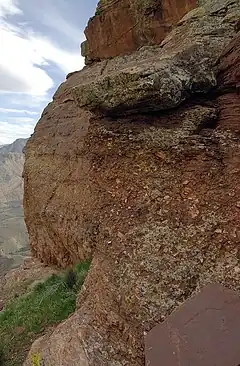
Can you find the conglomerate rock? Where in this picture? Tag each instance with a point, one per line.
(154, 198)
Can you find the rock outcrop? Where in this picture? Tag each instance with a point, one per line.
(158, 78)
(136, 164)
(120, 27)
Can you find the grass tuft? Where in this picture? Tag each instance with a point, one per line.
(28, 316)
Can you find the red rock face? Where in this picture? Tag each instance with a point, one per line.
(121, 27)
(229, 83)
(229, 70)
(158, 199)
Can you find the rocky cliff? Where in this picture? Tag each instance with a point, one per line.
(121, 27)
(135, 163)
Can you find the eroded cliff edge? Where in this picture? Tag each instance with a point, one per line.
(136, 163)
(120, 27)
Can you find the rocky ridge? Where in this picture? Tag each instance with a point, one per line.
(121, 27)
(140, 157)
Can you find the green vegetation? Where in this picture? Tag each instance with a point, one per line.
(28, 316)
(98, 12)
(102, 5)
(36, 359)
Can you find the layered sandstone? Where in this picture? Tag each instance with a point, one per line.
(151, 192)
(120, 27)
(229, 85)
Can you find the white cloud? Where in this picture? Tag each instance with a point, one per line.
(37, 102)
(18, 120)
(29, 61)
(24, 56)
(17, 111)
(9, 7)
(19, 65)
(10, 131)
(66, 61)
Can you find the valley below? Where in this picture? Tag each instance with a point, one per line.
(13, 233)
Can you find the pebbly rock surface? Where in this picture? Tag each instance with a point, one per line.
(120, 27)
(153, 198)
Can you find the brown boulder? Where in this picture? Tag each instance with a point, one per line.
(122, 26)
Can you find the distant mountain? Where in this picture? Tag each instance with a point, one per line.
(13, 234)
(16, 147)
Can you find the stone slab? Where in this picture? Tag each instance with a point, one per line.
(204, 331)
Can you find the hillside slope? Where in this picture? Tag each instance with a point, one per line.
(13, 235)
(16, 147)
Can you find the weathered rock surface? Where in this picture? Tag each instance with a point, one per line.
(153, 198)
(229, 85)
(191, 335)
(122, 26)
(157, 78)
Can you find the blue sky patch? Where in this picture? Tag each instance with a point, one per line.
(39, 45)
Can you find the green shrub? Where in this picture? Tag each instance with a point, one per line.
(2, 358)
(71, 279)
(27, 316)
(98, 12)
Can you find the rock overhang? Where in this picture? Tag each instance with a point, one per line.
(161, 77)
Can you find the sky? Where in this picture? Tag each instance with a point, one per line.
(39, 44)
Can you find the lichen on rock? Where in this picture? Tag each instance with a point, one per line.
(159, 78)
